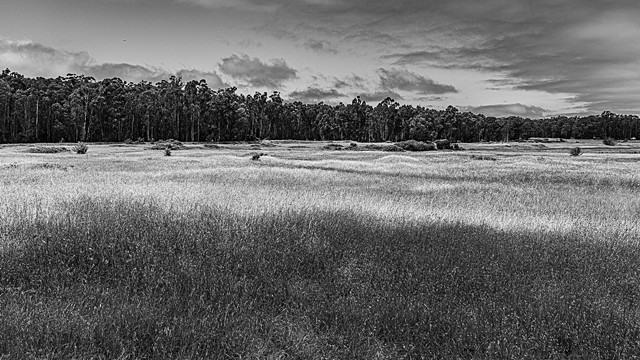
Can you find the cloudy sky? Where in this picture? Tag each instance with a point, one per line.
(498, 57)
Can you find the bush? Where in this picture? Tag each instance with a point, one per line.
(167, 152)
(484, 157)
(413, 145)
(609, 142)
(256, 156)
(46, 150)
(386, 147)
(81, 148)
(171, 144)
(443, 144)
(332, 147)
(576, 151)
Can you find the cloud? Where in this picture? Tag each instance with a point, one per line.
(313, 95)
(352, 81)
(213, 79)
(128, 72)
(319, 46)
(33, 60)
(256, 72)
(378, 96)
(504, 110)
(586, 52)
(402, 79)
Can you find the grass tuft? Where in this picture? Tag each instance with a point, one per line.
(81, 148)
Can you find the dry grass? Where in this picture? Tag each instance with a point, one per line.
(125, 253)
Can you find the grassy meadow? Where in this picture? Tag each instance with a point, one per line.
(515, 251)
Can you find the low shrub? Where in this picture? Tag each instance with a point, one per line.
(81, 148)
(171, 144)
(413, 145)
(389, 147)
(442, 144)
(46, 150)
(267, 143)
(333, 147)
(257, 156)
(575, 151)
(167, 152)
(483, 157)
(609, 142)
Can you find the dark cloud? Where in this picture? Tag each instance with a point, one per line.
(320, 46)
(258, 73)
(312, 94)
(378, 96)
(586, 52)
(402, 79)
(503, 110)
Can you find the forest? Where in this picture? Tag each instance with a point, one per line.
(79, 108)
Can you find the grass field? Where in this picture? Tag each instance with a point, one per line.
(500, 251)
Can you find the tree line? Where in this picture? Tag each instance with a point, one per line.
(79, 108)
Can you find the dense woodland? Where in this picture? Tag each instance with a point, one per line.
(79, 108)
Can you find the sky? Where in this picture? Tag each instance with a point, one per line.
(497, 57)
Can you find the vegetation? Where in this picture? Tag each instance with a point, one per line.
(426, 255)
(79, 108)
(47, 149)
(609, 142)
(575, 151)
(413, 145)
(81, 148)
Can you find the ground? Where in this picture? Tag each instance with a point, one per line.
(500, 250)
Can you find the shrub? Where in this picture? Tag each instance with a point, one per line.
(267, 143)
(332, 147)
(483, 157)
(81, 148)
(171, 144)
(256, 156)
(167, 151)
(413, 145)
(575, 151)
(46, 150)
(442, 144)
(385, 147)
(128, 141)
(609, 142)
(353, 145)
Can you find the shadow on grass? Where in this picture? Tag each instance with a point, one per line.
(114, 279)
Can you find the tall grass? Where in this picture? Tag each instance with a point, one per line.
(386, 258)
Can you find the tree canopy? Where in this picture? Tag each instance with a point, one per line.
(79, 108)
